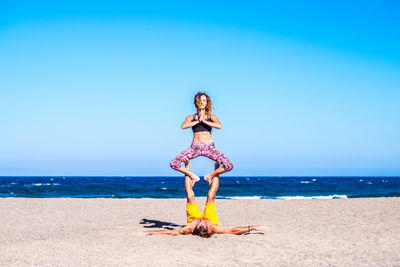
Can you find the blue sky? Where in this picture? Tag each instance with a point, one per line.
(102, 87)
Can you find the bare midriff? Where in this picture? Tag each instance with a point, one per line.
(204, 137)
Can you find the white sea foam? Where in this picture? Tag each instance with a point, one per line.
(314, 180)
(245, 197)
(163, 188)
(304, 182)
(40, 184)
(312, 197)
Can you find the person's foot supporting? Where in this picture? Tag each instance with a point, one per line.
(209, 177)
(192, 176)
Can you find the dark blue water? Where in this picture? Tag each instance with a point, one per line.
(172, 187)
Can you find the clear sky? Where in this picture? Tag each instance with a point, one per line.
(102, 87)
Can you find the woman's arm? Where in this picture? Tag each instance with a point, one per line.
(215, 124)
(188, 122)
(237, 230)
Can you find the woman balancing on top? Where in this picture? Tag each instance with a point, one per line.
(202, 144)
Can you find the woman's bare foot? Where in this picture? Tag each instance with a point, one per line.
(191, 175)
(209, 177)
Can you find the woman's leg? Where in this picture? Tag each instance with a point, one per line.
(216, 155)
(190, 153)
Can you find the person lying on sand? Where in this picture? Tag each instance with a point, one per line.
(206, 224)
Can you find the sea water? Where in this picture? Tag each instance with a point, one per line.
(243, 187)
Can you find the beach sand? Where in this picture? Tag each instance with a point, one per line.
(103, 232)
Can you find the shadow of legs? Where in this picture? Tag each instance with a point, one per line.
(159, 224)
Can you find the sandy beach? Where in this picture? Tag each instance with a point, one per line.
(104, 232)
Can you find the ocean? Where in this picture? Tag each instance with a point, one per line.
(243, 187)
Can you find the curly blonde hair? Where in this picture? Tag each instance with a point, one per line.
(197, 103)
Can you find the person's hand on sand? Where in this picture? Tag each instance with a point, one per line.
(146, 233)
(261, 228)
(141, 233)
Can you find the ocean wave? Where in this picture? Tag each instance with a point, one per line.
(231, 187)
(245, 197)
(40, 184)
(284, 197)
(313, 197)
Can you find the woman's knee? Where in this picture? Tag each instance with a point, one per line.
(228, 166)
(175, 164)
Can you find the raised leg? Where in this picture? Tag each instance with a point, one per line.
(218, 156)
(189, 174)
(214, 174)
(214, 184)
(189, 186)
(189, 153)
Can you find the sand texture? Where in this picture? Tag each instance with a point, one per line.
(103, 232)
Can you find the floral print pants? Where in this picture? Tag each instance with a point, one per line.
(201, 149)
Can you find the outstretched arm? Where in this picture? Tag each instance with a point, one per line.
(179, 231)
(237, 230)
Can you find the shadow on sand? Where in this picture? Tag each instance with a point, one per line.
(159, 224)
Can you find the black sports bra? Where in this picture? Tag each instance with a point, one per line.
(201, 127)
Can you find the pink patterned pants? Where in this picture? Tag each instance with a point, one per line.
(201, 149)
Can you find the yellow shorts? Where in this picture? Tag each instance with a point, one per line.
(210, 212)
